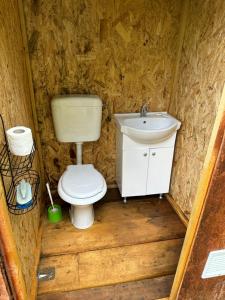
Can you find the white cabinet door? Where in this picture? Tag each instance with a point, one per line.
(159, 170)
(134, 172)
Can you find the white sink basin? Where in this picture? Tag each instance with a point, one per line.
(154, 128)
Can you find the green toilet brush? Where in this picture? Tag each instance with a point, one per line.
(54, 211)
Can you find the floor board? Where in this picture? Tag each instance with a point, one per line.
(116, 225)
(111, 266)
(128, 246)
(147, 289)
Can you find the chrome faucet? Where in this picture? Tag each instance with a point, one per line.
(144, 110)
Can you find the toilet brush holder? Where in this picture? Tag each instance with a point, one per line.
(55, 215)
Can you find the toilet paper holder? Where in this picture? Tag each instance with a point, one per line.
(13, 169)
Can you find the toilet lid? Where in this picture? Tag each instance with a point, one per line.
(82, 181)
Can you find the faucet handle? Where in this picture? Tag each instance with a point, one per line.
(144, 106)
(144, 110)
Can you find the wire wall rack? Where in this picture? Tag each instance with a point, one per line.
(13, 169)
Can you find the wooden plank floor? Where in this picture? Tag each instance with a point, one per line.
(147, 289)
(116, 224)
(128, 242)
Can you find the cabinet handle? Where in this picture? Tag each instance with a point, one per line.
(153, 153)
(145, 154)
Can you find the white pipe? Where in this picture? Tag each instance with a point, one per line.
(79, 153)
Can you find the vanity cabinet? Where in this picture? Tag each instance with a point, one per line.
(143, 169)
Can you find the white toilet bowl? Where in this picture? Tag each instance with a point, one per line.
(81, 186)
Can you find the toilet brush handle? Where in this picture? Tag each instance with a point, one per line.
(50, 195)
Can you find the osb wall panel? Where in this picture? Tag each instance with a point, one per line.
(123, 51)
(198, 91)
(16, 110)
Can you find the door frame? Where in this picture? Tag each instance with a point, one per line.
(9, 252)
(5, 288)
(201, 196)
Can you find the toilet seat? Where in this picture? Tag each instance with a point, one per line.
(82, 181)
(81, 185)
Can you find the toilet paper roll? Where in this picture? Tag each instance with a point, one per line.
(20, 140)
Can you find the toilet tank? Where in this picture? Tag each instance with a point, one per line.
(77, 118)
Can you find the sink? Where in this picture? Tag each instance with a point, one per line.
(153, 128)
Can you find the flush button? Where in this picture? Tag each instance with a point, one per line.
(145, 154)
(153, 153)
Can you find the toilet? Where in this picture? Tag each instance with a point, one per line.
(77, 118)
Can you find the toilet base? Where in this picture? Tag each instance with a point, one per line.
(82, 216)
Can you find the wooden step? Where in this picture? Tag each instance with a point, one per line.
(147, 289)
(111, 266)
(116, 225)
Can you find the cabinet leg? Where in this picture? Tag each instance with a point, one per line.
(125, 200)
(160, 196)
